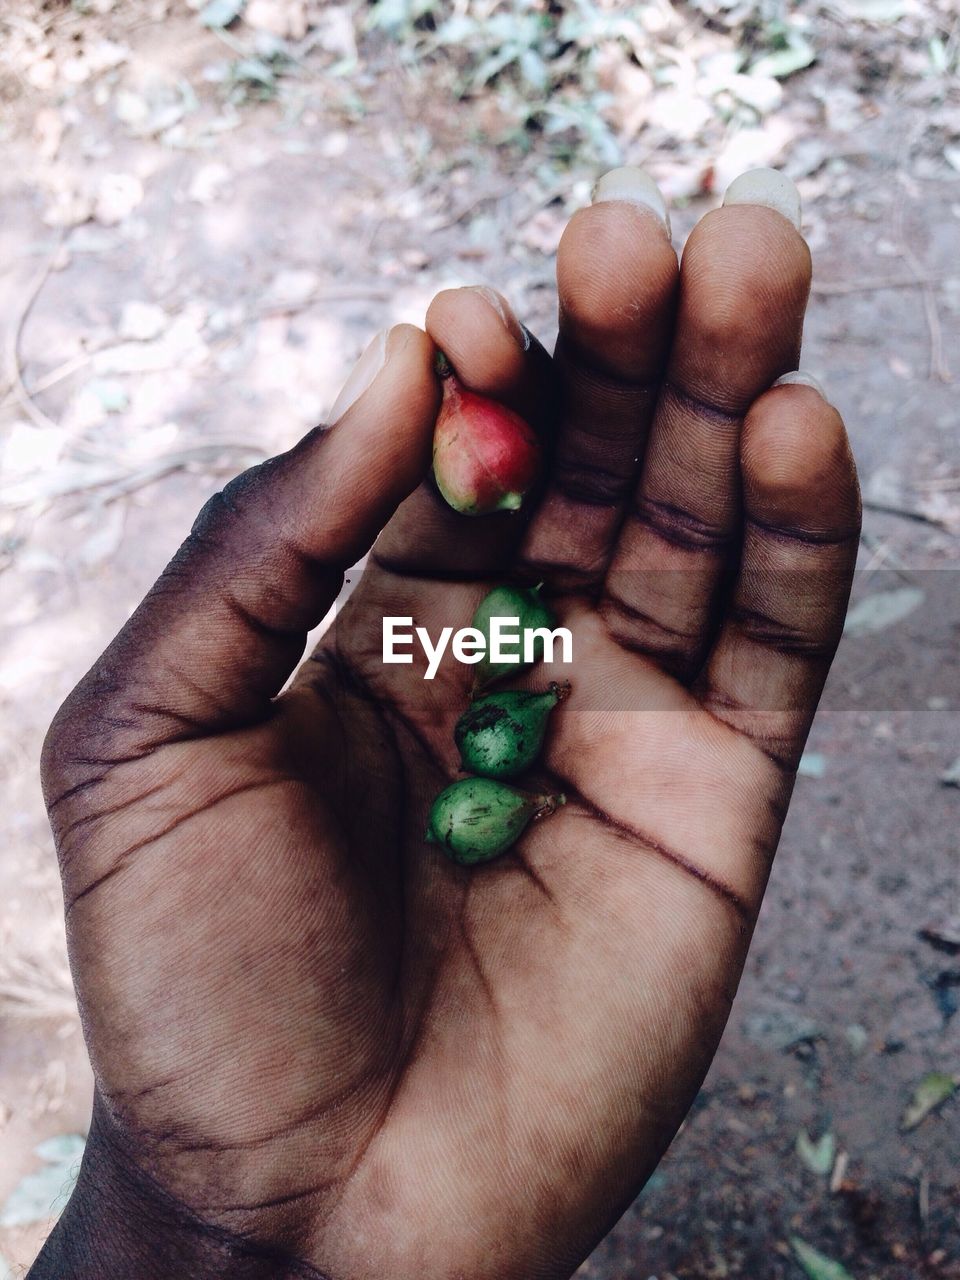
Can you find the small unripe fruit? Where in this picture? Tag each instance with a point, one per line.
(485, 456)
(476, 819)
(523, 603)
(501, 735)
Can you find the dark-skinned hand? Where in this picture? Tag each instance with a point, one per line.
(319, 1046)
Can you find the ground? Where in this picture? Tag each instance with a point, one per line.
(189, 272)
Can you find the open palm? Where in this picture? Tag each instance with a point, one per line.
(307, 1026)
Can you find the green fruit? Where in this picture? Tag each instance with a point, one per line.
(476, 819)
(501, 734)
(510, 602)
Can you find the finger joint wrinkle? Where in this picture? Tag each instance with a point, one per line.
(712, 410)
(777, 747)
(679, 527)
(808, 537)
(593, 485)
(780, 635)
(258, 625)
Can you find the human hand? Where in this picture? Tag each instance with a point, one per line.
(316, 1039)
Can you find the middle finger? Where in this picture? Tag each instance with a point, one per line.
(617, 280)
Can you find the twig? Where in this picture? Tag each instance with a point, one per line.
(20, 393)
(871, 286)
(923, 1199)
(336, 293)
(115, 484)
(938, 367)
(839, 1172)
(50, 379)
(937, 484)
(458, 215)
(905, 513)
(884, 554)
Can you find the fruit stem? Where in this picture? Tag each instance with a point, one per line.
(560, 689)
(550, 805)
(443, 366)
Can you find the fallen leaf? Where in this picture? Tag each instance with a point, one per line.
(873, 10)
(763, 93)
(943, 936)
(796, 54)
(207, 181)
(141, 321)
(750, 149)
(253, 71)
(336, 32)
(68, 208)
(932, 1092)
(292, 287)
(28, 448)
(117, 197)
(813, 764)
(881, 610)
(48, 132)
(817, 1156)
(284, 18)
(857, 1037)
(130, 108)
(220, 13)
(816, 1264)
(780, 1029)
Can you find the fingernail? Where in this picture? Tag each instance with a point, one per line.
(800, 379)
(362, 374)
(769, 188)
(504, 311)
(634, 185)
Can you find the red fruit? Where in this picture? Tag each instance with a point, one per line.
(485, 456)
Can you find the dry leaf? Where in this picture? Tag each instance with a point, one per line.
(817, 1156)
(882, 610)
(816, 1264)
(142, 321)
(117, 197)
(48, 130)
(932, 1092)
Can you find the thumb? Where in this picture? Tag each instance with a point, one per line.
(226, 622)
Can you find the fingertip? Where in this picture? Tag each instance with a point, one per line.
(617, 276)
(476, 328)
(797, 466)
(391, 421)
(746, 279)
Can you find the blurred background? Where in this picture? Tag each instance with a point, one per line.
(207, 211)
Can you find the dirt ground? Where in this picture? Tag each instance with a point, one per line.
(185, 282)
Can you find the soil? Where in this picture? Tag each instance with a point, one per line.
(275, 238)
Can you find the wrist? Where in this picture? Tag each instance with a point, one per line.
(120, 1223)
